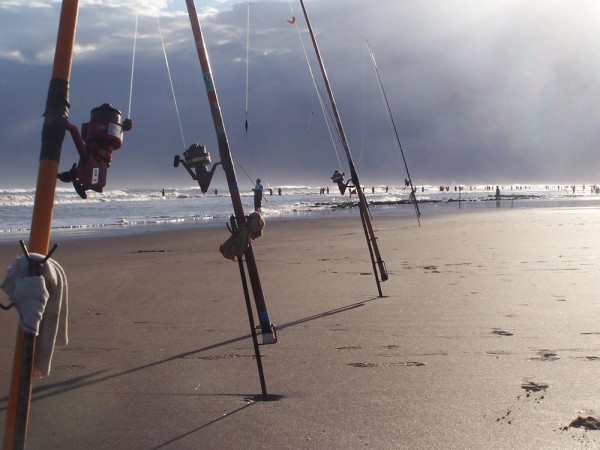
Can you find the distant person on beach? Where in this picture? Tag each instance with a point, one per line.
(279, 191)
(163, 192)
(411, 197)
(270, 191)
(497, 193)
(258, 193)
(216, 192)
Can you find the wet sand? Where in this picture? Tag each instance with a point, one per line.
(487, 336)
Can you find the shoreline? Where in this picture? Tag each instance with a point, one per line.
(379, 210)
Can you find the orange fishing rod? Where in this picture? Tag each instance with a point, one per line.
(376, 260)
(53, 132)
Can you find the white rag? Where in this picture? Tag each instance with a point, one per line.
(42, 303)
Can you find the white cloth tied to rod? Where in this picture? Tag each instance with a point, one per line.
(42, 304)
(239, 241)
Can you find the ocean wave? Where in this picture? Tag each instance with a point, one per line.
(126, 208)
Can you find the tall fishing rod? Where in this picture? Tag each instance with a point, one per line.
(266, 327)
(376, 260)
(53, 133)
(412, 189)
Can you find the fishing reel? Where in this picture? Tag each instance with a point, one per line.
(99, 137)
(338, 177)
(196, 160)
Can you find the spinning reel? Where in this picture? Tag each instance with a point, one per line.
(99, 137)
(196, 160)
(338, 178)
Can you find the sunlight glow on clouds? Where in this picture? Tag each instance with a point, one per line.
(13, 55)
(20, 4)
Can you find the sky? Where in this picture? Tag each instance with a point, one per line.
(481, 92)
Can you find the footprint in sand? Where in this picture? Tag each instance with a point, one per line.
(534, 387)
(361, 364)
(408, 364)
(393, 364)
(534, 391)
(500, 332)
(587, 423)
(545, 355)
(218, 357)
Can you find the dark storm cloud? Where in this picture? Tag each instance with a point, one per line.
(480, 91)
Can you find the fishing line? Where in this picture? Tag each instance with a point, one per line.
(324, 108)
(171, 81)
(552, 161)
(247, 62)
(389, 115)
(135, 33)
(364, 109)
(328, 116)
(329, 119)
(252, 180)
(310, 116)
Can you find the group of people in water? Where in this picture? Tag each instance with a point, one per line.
(259, 190)
(325, 190)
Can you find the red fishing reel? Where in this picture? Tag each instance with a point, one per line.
(99, 137)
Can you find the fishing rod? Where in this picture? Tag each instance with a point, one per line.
(391, 117)
(102, 135)
(53, 133)
(267, 329)
(376, 260)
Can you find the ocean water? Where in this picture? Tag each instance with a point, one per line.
(134, 210)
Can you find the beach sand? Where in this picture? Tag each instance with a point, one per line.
(487, 336)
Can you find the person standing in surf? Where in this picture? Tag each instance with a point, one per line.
(258, 193)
